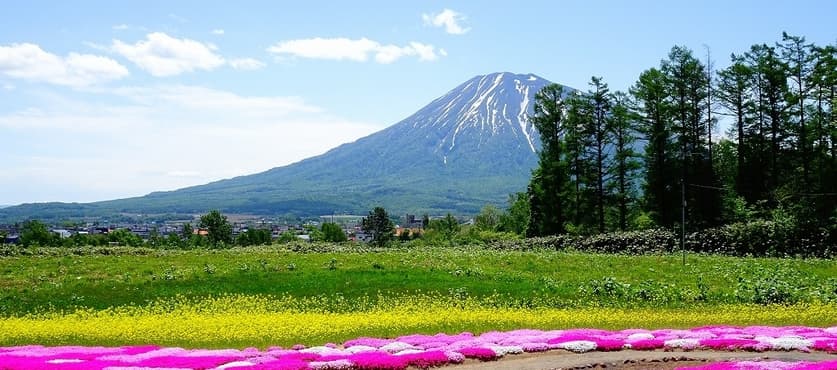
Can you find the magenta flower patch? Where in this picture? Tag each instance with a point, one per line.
(426, 351)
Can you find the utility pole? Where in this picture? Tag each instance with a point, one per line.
(683, 218)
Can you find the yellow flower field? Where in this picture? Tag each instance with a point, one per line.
(244, 321)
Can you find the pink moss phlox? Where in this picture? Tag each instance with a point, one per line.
(186, 362)
(427, 359)
(378, 361)
(571, 337)
(455, 357)
(371, 342)
(479, 353)
(825, 344)
(647, 344)
(535, 347)
(766, 365)
(607, 345)
(281, 364)
(728, 344)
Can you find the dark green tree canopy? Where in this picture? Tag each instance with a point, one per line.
(379, 225)
(218, 228)
(332, 232)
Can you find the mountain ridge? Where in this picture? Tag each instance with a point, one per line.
(472, 146)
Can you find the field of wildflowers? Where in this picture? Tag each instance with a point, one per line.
(150, 311)
(423, 351)
(238, 321)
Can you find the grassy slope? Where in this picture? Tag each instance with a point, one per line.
(30, 284)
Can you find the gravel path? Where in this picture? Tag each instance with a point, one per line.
(631, 359)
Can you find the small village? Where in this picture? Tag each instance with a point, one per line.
(349, 224)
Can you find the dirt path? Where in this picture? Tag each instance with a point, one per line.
(631, 359)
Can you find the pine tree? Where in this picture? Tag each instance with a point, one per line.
(734, 92)
(685, 80)
(659, 186)
(598, 131)
(549, 180)
(626, 162)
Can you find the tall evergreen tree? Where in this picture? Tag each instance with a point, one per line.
(659, 186)
(598, 131)
(685, 77)
(733, 92)
(797, 58)
(575, 144)
(625, 160)
(771, 76)
(549, 179)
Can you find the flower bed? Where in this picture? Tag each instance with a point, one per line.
(767, 365)
(423, 351)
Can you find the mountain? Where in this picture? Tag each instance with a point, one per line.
(468, 148)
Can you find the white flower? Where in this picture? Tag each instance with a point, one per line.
(397, 347)
(323, 351)
(408, 352)
(790, 343)
(331, 365)
(506, 350)
(684, 343)
(360, 348)
(234, 364)
(639, 336)
(455, 357)
(65, 361)
(578, 346)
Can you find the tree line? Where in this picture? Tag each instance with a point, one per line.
(647, 157)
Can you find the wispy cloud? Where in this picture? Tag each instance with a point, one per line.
(358, 50)
(247, 64)
(163, 55)
(120, 27)
(178, 18)
(30, 62)
(218, 31)
(448, 19)
(183, 122)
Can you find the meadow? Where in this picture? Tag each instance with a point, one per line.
(315, 294)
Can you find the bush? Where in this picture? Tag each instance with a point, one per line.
(632, 242)
(762, 238)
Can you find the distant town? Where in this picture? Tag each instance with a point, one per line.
(241, 224)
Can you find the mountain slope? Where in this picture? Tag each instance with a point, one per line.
(470, 147)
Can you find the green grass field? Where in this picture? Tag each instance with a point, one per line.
(349, 280)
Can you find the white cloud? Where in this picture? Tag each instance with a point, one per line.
(426, 52)
(30, 62)
(7, 86)
(178, 18)
(198, 135)
(448, 19)
(358, 50)
(120, 27)
(163, 55)
(218, 31)
(247, 64)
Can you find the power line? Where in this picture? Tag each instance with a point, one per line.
(789, 195)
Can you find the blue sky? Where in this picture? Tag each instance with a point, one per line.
(104, 99)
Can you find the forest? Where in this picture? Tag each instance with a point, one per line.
(690, 147)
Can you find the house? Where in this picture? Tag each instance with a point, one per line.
(411, 222)
(63, 233)
(12, 239)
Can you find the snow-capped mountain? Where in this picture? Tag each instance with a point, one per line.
(484, 109)
(472, 146)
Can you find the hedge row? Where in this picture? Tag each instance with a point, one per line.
(755, 238)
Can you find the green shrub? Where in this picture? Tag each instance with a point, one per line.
(631, 242)
(762, 238)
